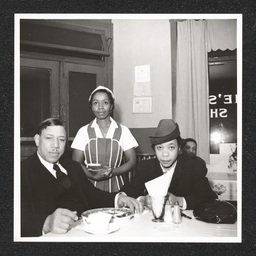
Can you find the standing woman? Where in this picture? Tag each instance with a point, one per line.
(104, 141)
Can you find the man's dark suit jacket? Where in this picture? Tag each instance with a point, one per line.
(188, 181)
(39, 188)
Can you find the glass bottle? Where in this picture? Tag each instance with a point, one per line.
(176, 213)
(168, 212)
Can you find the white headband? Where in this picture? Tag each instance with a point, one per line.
(100, 87)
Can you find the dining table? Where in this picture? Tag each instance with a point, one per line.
(141, 228)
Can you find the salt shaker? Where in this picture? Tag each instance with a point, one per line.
(168, 212)
(176, 213)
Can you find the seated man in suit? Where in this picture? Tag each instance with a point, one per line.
(54, 191)
(190, 147)
(189, 185)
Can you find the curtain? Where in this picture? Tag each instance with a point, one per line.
(221, 34)
(192, 93)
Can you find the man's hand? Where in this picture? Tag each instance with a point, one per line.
(132, 203)
(60, 221)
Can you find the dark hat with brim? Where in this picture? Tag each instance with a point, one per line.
(166, 130)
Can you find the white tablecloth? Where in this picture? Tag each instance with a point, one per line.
(142, 229)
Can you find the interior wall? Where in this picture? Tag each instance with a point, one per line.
(135, 43)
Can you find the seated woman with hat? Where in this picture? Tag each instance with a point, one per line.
(188, 185)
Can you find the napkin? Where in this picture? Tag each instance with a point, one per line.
(159, 186)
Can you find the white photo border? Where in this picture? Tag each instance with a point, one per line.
(17, 205)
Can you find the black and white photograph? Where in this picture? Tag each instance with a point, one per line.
(128, 128)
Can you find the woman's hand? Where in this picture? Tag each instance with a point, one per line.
(103, 173)
(172, 199)
(132, 203)
(145, 201)
(148, 201)
(107, 172)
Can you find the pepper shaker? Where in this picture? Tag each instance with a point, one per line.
(176, 213)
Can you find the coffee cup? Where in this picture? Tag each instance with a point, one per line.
(99, 221)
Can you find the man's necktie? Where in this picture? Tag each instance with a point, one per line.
(62, 178)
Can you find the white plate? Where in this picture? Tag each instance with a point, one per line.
(93, 165)
(89, 229)
(118, 214)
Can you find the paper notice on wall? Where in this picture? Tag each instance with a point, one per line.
(142, 105)
(142, 89)
(142, 74)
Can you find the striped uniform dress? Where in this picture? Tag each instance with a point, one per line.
(107, 152)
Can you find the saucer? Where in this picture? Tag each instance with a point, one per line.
(89, 229)
(118, 214)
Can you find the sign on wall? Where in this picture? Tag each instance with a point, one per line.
(223, 113)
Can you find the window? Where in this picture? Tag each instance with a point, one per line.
(222, 98)
(56, 89)
(61, 62)
(54, 38)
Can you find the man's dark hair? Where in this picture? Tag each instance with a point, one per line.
(48, 122)
(112, 101)
(190, 139)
